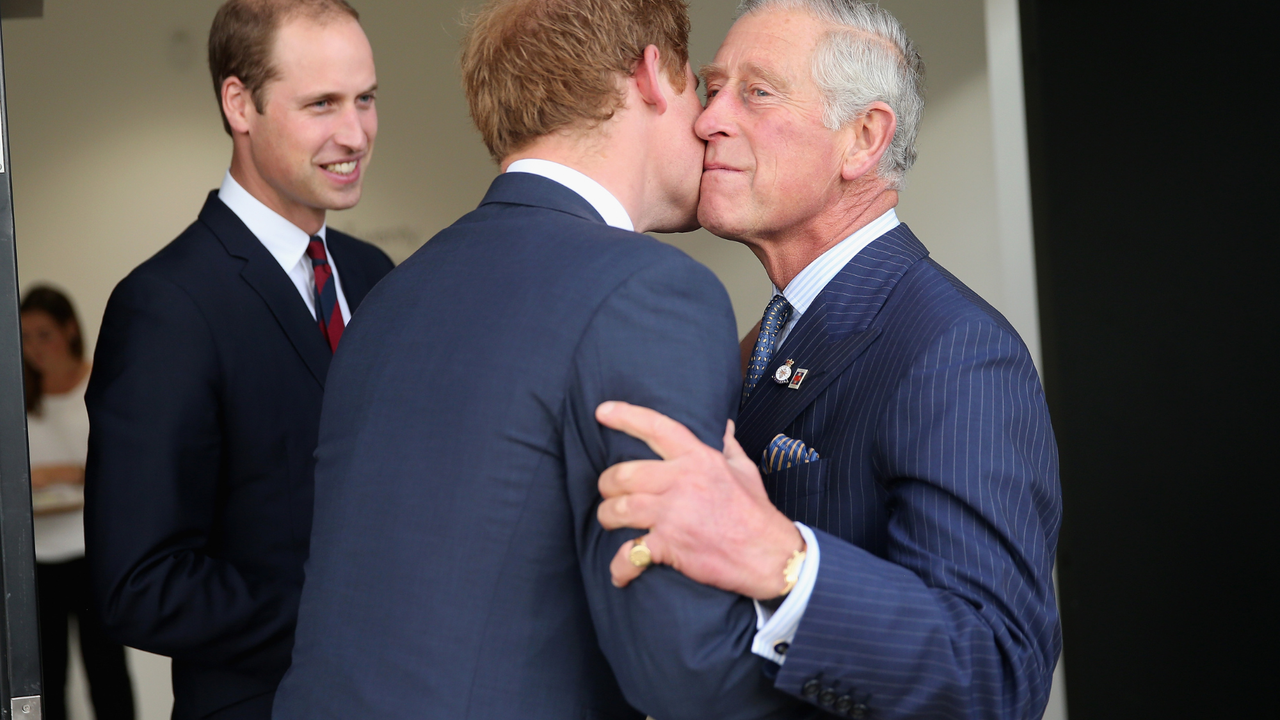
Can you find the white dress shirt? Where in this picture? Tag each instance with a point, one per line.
(775, 629)
(286, 242)
(593, 192)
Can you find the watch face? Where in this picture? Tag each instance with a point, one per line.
(782, 374)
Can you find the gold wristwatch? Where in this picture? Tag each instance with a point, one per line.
(791, 572)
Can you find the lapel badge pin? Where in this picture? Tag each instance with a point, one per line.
(783, 373)
(798, 378)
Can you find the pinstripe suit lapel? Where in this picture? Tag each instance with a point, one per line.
(838, 327)
(772, 406)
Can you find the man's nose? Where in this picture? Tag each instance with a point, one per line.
(715, 118)
(351, 132)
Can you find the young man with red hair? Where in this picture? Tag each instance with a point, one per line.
(457, 568)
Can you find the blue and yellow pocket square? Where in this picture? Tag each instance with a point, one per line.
(784, 452)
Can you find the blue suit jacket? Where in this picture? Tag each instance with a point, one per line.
(457, 568)
(204, 406)
(935, 500)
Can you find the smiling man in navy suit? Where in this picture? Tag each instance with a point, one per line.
(457, 568)
(210, 368)
(900, 543)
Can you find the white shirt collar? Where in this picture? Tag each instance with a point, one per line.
(804, 287)
(286, 242)
(614, 214)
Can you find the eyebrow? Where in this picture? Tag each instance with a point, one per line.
(777, 81)
(715, 71)
(711, 70)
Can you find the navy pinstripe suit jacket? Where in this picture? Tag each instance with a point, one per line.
(936, 500)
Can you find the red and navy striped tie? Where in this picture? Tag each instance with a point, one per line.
(328, 314)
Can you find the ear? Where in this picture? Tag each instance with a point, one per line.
(237, 104)
(869, 138)
(648, 77)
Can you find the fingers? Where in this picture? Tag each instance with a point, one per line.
(633, 511)
(664, 436)
(652, 477)
(622, 570)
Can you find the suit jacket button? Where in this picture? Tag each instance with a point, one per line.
(844, 704)
(859, 711)
(827, 698)
(811, 689)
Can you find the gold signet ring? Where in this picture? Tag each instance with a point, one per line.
(640, 555)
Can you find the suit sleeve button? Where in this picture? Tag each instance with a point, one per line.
(811, 689)
(859, 711)
(844, 703)
(827, 698)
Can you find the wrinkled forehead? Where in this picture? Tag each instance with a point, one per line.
(774, 44)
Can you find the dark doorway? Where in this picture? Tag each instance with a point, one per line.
(1152, 146)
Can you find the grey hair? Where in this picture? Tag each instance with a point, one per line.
(868, 59)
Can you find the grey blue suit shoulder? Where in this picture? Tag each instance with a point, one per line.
(457, 568)
(935, 499)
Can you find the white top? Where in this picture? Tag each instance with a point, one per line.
(775, 629)
(286, 242)
(593, 192)
(59, 435)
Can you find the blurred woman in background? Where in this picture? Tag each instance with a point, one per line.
(56, 374)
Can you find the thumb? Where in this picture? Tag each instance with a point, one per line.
(743, 470)
(733, 452)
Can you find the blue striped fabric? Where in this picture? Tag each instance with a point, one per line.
(936, 501)
(783, 452)
(809, 282)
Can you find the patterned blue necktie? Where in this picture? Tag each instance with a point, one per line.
(775, 317)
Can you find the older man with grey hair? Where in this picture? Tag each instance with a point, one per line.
(891, 498)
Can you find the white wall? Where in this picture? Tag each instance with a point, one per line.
(116, 140)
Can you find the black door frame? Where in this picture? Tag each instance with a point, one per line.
(20, 684)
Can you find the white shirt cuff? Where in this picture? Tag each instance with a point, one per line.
(775, 629)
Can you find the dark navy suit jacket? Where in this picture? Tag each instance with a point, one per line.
(457, 567)
(204, 406)
(935, 498)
